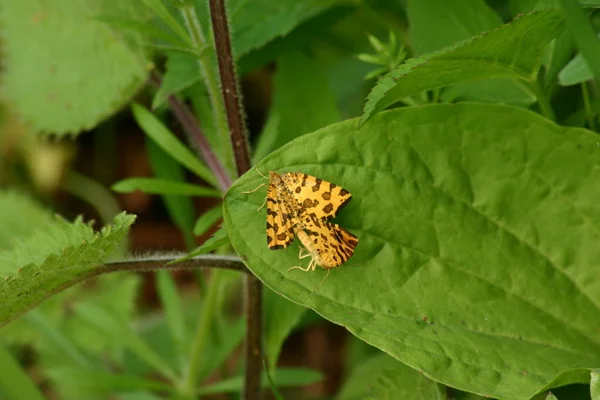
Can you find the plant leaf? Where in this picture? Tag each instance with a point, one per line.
(65, 71)
(19, 216)
(207, 219)
(173, 309)
(15, 383)
(51, 258)
(384, 377)
(219, 239)
(280, 316)
(180, 208)
(453, 23)
(298, 81)
(284, 377)
(159, 9)
(512, 51)
(474, 239)
(182, 71)
(575, 72)
(164, 138)
(164, 187)
(584, 34)
(595, 385)
(435, 24)
(258, 22)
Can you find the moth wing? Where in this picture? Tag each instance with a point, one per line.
(316, 196)
(279, 227)
(330, 244)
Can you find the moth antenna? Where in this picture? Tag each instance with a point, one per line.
(317, 288)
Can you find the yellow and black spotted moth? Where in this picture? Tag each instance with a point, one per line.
(299, 205)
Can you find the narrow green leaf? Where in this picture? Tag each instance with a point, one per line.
(121, 332)
(474, 238)
(15, 384)
(180, 208)
(163, 13)
(162, 186)
(52, 257)
(182, 71)
(384, 377)
(117, 295)
(94, 380)
(550, 396)
(173, 309)
(284, 377)
(583, 34)
(207, 220)
(54, 337)
(595, 385)
(163, 137)
(219, 239)
(224, 337)
(280, 316)
(513, 51)
(145, 28)
(65, 72)
(575, 72)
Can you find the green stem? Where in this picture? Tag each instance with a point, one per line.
(542, 100)
(211, 80)
(93, 193)
(588, 108)
(201, 337)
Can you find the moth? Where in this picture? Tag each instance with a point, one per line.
(300, 205)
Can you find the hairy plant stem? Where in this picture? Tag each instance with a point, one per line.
(146, 264)
(211, 82)
(239, 143)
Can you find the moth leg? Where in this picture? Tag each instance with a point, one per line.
(255, 189)
(301, 256)
(263, 204)
(311, 266)
(260, 173)
(300, 268)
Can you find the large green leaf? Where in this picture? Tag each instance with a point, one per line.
(513, 51)
(478, 253)
(383, 377)
(65, 71)
(52, 257)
